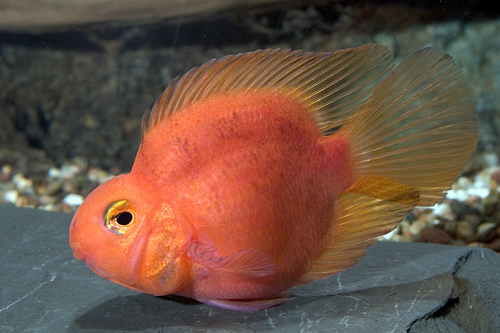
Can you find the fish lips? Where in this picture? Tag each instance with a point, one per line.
(79, 254)
(124, 273)
(128, 279)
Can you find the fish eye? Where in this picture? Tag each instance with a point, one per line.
(120, 216)
(124, 218)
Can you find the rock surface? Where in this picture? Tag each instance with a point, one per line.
(397, 287)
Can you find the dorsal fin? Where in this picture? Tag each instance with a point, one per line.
(332, 85)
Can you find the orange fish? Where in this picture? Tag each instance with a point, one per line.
(266, 170)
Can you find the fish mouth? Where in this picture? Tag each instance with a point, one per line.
(79, 255)
(96, 270)
(122, 270)
(127, 280)
(104, 275)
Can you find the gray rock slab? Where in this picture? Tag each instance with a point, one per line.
(397, 287)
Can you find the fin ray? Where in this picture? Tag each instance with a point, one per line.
(250, 263)
(368, 209)
(409, 141)
(248, 304)
(331, 85)
(420, 119)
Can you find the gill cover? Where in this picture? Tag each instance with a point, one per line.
(122, 237)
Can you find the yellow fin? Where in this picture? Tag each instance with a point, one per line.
(368, 209)
(419, 127)
(409, 141)
(332, 85)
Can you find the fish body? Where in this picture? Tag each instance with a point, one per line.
(271, 169)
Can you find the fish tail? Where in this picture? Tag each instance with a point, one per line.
(408, 142)
(419, 127)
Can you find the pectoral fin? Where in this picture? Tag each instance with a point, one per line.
(247, 263)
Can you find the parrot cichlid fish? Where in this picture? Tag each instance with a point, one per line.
(271, 169)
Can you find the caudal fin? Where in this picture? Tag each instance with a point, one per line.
(419, 127)
(410, 140)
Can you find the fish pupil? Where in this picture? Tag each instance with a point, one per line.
(124, 218)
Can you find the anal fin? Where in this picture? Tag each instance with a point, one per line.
(248, 304)
(373, 206)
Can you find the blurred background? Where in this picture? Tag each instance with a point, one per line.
(77, 76)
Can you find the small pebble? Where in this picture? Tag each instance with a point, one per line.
(5, 173)
(399, 238)
(11, 196)
(457, 242)
(50, 207)
(484, 229)
(465, 232)
(26, 201)
(416, 227)
(473, 220)
(405, 228)
(493, 234)
(431, 218)
(23, 185)
(73, 199)
(490, 159)
(490, 203)
(68, 187)
(67, 171)
(98, 175)
(481, 192)
(435, 235)
(458, 208)
(54, 187)
(476, 244)
(482, 179)
(45, 200)
(66, 208)
(459, 194)
(444, 211)
(463, 183)
(496, 176)
(6, 170)
(81, 163)
(80, 181)
(450, 227)
(54, 173)
(389, 235)
(495, 245)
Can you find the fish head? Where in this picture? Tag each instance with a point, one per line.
(122, 236)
